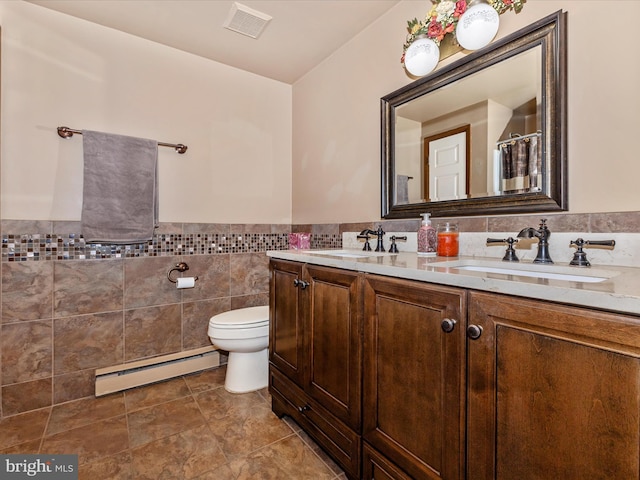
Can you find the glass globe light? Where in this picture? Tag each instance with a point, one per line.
(421, 57)
(477, 26)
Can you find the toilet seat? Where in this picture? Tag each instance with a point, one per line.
(242, 317)
(230, 326)
(241, 323)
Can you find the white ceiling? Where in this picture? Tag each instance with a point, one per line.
(301, 34)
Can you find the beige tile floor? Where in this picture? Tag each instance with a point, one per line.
(185, 428)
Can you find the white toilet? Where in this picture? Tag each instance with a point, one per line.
(244, 333)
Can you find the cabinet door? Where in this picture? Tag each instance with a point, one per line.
(413, 375)
(334, 341)
(285, 327)
(553, 392)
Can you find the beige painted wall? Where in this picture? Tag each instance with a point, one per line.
(336, 135)
(267, 152)
(57, 70)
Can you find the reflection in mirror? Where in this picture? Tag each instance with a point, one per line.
(484, 135)
(484, 108)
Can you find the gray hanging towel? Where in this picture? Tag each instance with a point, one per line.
(402, 189)
(120, 192)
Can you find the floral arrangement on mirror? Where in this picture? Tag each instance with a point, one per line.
(472, 23)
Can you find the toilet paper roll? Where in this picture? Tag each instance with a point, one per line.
(186, 282)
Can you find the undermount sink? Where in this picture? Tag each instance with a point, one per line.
(550, 272)
(345, 253)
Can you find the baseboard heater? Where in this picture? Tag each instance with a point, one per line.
(143, 372)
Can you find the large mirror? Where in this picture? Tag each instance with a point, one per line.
(483, 135)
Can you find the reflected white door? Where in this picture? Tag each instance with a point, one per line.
(448, 167)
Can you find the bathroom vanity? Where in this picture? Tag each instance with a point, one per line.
(408, 367)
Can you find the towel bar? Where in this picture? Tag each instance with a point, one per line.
(66, 132)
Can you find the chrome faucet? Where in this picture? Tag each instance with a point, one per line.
(542, 234)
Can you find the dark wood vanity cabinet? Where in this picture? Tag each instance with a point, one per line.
(316, 355)
(552, 391)
(413, 383)
(399, 379)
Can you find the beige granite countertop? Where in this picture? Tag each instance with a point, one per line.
(607, 287)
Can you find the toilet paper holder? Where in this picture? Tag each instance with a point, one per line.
(180, 267)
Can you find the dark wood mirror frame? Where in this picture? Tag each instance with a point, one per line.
(550, 34)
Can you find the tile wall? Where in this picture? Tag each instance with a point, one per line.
(68, 307)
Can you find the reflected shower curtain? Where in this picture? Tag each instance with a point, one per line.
(521, 164)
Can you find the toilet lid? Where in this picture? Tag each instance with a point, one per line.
(246, 317)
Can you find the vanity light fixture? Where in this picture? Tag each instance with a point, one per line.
(421, 57)
(470, 24)
(478, 25)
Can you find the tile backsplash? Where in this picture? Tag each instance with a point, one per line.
(623, 227)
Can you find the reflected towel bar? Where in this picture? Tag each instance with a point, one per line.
(66, 132)
(514, 137)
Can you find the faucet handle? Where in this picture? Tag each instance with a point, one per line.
(394, 248)
(367, 245)
(592, 243)
(510, 254)
(580, 256)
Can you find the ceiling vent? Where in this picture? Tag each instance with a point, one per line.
(246, 21)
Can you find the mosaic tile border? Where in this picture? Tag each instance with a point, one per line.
(38, 246)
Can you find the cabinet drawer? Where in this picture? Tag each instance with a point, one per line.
(376, 467)
(338, 440)
(292, 396)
